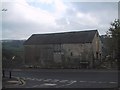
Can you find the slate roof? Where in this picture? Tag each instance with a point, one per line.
(64, 37)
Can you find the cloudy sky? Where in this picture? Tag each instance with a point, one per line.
(26, 17)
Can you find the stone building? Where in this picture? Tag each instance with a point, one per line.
(64, 50)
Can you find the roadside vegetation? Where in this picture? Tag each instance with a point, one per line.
(112, 46)
(12, 53)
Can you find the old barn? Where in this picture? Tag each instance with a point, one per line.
(64, 50)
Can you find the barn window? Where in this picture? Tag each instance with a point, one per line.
(100, 56)
(57, 48)
(96, 55)
(71, 54)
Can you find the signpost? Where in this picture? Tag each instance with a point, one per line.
(10, 72)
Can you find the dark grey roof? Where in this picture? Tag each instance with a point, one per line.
(65, 37)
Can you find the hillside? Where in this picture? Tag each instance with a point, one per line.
(10, 49)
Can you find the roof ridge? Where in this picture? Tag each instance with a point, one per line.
(65, 32)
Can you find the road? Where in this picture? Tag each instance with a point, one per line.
(69, 78)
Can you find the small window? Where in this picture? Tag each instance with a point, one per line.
(96, 55)
(71, 54)
(57, 48)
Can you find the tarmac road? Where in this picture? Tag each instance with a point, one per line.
(67, 78)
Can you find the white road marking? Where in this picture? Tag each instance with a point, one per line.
(92, 81)
(83, 81)
(13, 81)
(28, 78)
(63, 80)
(73, 81)
(112, 82)
(55, 80)
(47, 80)
(39, 79)
(68, 84)
(32, 79)
(47, 84)
(96, 82)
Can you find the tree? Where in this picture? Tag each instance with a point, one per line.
(114, 34)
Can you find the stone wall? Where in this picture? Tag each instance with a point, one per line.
(38, 54)
(78, 52)
(97, 48)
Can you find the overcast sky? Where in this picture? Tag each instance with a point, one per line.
(24, 17)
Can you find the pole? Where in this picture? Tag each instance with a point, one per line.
(10, 74)
(3, 72)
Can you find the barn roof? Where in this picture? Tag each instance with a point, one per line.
(64, 37)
